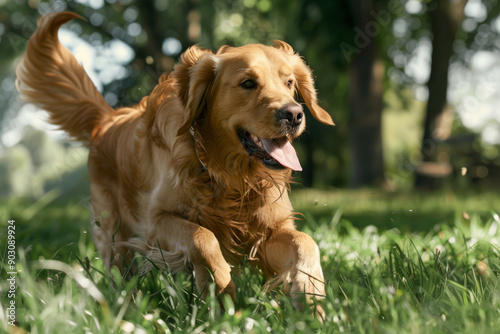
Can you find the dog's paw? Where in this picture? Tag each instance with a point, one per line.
(307, 287)
(220, 275)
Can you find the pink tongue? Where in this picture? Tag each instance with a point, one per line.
(283, 152)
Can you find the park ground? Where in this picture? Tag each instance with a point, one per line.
(393, 263)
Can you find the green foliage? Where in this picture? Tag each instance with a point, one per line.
(320, 30)
(441, 280)
(38, 164)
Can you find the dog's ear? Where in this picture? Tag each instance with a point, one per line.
(283, 46)
(223, 49)
(194, 75)
(305, 84)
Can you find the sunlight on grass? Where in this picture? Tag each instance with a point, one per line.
(379, 278)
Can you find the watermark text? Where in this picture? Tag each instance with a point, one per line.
(11, 272)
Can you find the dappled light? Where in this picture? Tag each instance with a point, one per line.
(401, 196)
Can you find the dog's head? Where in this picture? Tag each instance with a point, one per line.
(243, 101)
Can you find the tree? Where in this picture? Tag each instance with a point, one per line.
(445, 17)
(365, 99)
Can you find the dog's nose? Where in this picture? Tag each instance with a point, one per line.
(291, 114)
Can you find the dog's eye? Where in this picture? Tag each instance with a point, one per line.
(289, 83)
(248, 84)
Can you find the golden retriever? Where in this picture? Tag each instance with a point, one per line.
(197, 174)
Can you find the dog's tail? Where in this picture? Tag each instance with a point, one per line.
(51, 78)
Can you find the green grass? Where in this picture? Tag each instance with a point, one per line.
(387, 269)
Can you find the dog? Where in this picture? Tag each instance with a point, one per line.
(197, 174)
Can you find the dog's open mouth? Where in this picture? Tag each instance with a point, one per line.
(276, 153)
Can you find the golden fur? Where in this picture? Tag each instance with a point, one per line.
(170, 176)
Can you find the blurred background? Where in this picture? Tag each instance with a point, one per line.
(413, 85)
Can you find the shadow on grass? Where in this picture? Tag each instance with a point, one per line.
(406, 222)
(52, 230)
(408, 212)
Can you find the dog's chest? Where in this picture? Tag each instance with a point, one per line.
(226, 208)
(236, 218)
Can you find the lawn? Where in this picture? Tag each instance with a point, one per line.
(393, 263)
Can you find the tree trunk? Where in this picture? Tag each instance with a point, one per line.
(149, 24)
(445, 17)
(365, 99)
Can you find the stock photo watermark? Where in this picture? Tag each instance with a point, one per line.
(364, 35)
(11, 273)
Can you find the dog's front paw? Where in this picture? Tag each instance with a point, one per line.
(306, 286)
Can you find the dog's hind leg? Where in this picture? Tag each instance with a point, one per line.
(108, 231)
